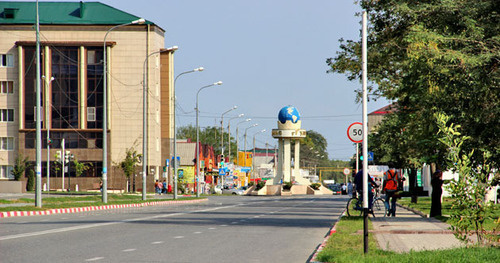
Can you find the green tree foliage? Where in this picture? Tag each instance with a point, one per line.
(30, 183)
(128, 165)
(211, 136)
(313, 150)
(20, 166)
(80, 167)
(431, 56)
(470, 209)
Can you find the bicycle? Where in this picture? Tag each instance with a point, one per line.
(379, 208)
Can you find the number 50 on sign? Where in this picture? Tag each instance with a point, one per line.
(355, 132)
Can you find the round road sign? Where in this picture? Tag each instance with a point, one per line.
(355, 132)
(347, 171)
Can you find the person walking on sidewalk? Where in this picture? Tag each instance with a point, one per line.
(390, 187)
(437, 191)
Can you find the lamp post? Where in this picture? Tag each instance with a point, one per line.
(145, 88)
(222, 130)
(175, 164)
(256, 124)
(253, 156)
(197, 176)
(105, 112)
(237, 141)
(229, 134)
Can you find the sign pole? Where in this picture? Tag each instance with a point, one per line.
(365, 133)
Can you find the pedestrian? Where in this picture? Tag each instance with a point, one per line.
(164, 186)
(156, 187)
(160, 188)
(169, 189)
(437, 191)
(390, 187)
(349, 188)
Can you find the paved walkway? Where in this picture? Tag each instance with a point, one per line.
(409, 231)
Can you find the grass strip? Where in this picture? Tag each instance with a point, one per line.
(346, 245)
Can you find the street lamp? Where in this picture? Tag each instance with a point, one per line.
(105, 112)
(253, 156)
(145, 88)
(197, 178)
(175, 164)
(256, 124)
(237, 141)
(229, 134)
(222, 129)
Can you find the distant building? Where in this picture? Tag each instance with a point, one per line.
(375, 117)
(72, 39)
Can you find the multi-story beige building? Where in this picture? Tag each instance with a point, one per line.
(72, 43)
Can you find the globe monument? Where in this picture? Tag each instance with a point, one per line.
(289, 130)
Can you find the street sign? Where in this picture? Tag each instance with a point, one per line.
(347, 171)
(355, 132)
(370, 156)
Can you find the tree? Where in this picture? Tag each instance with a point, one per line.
(431, 56)
(129, 164)
(20, 166)
(80, 167)
(208, 135)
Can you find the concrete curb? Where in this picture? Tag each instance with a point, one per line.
(93, 208)
(332, 231)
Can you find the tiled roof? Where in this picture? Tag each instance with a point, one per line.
(385, 110)
(63, 13)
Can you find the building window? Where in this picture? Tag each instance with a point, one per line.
(65, 90)
(91, 114)
(5, 172)
(6, 60)
(6, 143)
(6, 87)
(6, 115)
(95, 86)
(30, 87)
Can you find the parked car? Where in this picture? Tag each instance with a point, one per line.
(218, 189)
(233, 191)
(337, 189)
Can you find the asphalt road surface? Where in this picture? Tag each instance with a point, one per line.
(223, 229)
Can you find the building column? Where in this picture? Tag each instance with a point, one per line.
(296, 166)
(286, 160)
(279, 167)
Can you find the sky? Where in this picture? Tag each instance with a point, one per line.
(268, 54)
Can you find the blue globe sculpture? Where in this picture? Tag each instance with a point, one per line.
(289, 113)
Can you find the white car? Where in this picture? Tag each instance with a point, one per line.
(233, 191)
(218, 189)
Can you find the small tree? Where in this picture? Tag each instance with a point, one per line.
(30, 184)
(469, 207)
(129, 163)
(80, 167)
(20, 166)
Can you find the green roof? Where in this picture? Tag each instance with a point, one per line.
(63, 13)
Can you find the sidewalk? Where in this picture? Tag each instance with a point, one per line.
(409, 231)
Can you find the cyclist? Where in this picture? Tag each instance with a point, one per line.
(358, 182)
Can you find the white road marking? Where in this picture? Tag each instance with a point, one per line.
(197, 232)
(179, 237)
(231, 223)
(157, 242)
(94, 259)
(72, 228)
(212, 228)
(223, 225)
(129, 250)
(64, 218)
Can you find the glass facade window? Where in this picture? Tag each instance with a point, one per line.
(5, 172)
(72, 140)
(6, 60)
(30, 87)
(65, 87)
(6, 115)
(95, 86)
(6, 143)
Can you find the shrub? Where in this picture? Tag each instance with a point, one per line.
(30, 184)
(316, 186)
(251, 184)
(260, 185)
(287, 186)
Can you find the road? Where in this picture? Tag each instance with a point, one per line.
(223, 229)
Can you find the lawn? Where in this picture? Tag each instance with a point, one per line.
(69, 201)
(346, 245)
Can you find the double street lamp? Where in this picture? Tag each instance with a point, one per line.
(175, 161)
(145, 88)
(253, 156)
(197, 176)
(229, 134)
(105, 112)
(222, 130)
(238, 140)
(255, 125)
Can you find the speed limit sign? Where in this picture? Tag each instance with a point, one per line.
(355, 132)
